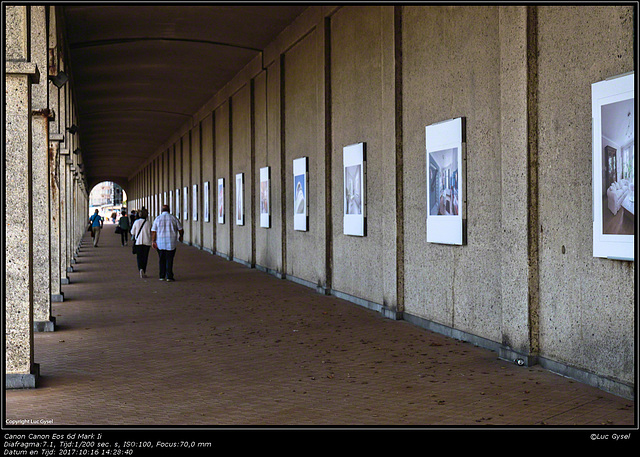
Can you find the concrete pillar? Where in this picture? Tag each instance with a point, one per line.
(64, 153)
(20, 74)
(43, 321)
(519, 261)
(55, 217)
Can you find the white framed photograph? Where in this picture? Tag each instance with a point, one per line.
(205, 195)
(195, 202)
(185, 202)
(613, 162)
(300, 194)
(354, 204)
(220, 200)
(177, 210)
(239, 204)
(446, 173)
(164, 199)
(265, 203)
(170, 201)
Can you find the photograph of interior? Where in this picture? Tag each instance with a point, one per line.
(618, 214)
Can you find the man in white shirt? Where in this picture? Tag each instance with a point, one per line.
(165, 233)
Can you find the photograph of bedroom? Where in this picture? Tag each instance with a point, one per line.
(618, 170)
(443, 183)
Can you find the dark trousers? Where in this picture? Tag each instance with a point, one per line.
(166, 263)
(123, 236)
(142, 255)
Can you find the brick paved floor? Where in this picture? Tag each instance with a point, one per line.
(226, 345)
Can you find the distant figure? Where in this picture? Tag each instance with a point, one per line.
(141, 238)
(165, 233)
(132, 217)
(113, 217)
(96, 224)
(124, 225)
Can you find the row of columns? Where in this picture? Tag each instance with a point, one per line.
(46, 194)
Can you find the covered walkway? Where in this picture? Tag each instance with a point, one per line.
(207, 350)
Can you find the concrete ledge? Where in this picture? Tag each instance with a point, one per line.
(23, 380)
(210, 251)
(57, 297)
(23, 68)
(302, 282)
(243, 262)
(270, 271)
(45, 326)
(601, 382)
(385, 311)
(223, 255)
(452, 333)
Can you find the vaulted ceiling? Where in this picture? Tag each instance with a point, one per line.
(140, 72)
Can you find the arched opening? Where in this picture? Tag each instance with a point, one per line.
(110, 199)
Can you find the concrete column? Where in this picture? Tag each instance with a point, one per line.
(64, 278)
(68, 242)
(54, 212)
(392, 195)
(20, 74)
(519, 270)
(43, 321)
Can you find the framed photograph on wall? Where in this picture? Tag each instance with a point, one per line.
(171, 201)
(194, 200)
(220, 200)
(205, 195)
(239, 204)
(265, 204)
(185, 202)
(300, 194)
(446, 187)
(613, 162)
(164, 199)
(177, 210)
(355, 172)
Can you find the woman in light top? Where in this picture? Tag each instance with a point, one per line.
(141, 237)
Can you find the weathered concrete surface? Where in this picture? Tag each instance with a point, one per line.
(587, 303)
(18, 281)
(451, 68)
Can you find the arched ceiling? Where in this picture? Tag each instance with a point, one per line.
(140, 72)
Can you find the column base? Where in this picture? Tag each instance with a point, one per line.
(64, 281)
(45, 326)
(23, 380)
(57, 297)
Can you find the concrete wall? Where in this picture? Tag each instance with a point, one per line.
(525, 283)
(586, 312)
(451, 68)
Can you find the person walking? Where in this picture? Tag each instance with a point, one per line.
(165, 233)
(141, 239)
(96, 225)
(124, 225)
